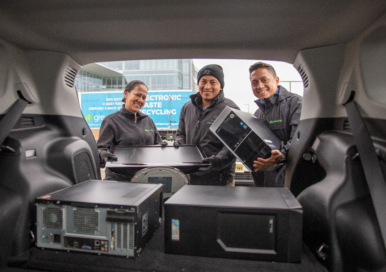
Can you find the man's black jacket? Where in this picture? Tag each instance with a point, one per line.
(281, 114)
(193, 128)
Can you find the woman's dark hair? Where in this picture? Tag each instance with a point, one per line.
(131, 86)
(261, 64)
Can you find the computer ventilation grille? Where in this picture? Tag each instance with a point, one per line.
(85, 220)
(125, 236)
(53, 218)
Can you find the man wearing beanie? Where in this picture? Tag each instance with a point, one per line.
(280, 111)
(196, 117)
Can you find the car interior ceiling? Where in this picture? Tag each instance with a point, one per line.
(338, 48)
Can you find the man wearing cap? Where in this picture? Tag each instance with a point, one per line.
(280, 111)
(196, 117)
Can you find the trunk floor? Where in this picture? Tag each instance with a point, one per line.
(153, 258)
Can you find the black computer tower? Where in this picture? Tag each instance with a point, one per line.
(103, 217)
(245, 136)
(234, 222)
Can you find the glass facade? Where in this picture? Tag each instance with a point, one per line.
(113, 83)
(88, 81)
(169, 74)
(189, 75)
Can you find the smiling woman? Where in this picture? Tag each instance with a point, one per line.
(128, 126)
(135, 96)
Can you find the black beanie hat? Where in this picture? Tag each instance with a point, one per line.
(212, 70)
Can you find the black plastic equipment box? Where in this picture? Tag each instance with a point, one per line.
(99, 216)
(234, 222)
(245, 136)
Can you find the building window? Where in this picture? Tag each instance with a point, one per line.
(167, 74)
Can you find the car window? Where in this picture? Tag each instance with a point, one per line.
(170, 83)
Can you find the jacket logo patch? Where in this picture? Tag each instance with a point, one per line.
(149, 129)
(212, 120)
(276, 121)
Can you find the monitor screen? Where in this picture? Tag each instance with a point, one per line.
(165, 181)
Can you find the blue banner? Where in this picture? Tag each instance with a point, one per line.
(163, 107)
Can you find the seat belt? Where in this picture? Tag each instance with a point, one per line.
(11, 117)
(370, 163)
